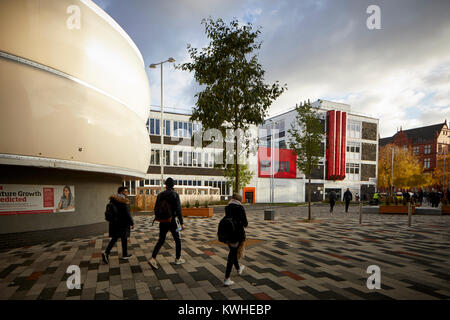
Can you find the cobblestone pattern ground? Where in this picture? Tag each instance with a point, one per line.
(326, 259)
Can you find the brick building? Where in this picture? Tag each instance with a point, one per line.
(426, 143)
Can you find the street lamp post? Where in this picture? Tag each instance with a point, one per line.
(272, 165)
(162, 155)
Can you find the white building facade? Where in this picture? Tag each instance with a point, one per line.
(350, 153)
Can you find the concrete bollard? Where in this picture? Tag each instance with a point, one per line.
(269, 214)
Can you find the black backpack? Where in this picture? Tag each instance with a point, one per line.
(163, 211)
(227, 231)
(111, 212)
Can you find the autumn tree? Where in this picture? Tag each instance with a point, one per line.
(438, 176)
(408, 171)
(234, 94)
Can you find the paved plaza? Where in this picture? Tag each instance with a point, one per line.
(286, 259)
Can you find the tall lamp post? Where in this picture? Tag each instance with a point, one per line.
(272, 165)
(161, 157)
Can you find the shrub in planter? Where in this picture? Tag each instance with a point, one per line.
(197, 204)
(206, 204)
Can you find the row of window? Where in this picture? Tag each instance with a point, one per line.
(183, 158)
(280, 166)
(426, 149)
(222, 185)
(173, 128)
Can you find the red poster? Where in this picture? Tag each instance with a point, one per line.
(48, 197)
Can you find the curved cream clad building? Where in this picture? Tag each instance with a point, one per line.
(69, 97)
(74, 99)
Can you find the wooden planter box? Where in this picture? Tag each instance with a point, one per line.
(197, 212)
(397, 209)
(445, 209)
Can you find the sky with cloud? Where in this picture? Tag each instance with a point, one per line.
(319, 48)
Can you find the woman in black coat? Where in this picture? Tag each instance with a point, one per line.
(236, 211)
(119, 227)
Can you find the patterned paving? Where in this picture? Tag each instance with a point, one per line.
(327, 259)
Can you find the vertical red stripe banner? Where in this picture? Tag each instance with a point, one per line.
(331, 145)
(337, 158)
(343, 143)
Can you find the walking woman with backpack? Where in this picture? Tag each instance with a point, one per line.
(233, 235)
(168, 214)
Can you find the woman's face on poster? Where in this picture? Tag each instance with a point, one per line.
(66, 193)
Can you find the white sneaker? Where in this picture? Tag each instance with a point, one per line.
(153, 263)
(180, 261)
(228, 282)
(241, 269)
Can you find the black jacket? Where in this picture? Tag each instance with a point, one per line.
(348, 196)
(332, 196)
(121, 226)
(174, 200)
(237, 213)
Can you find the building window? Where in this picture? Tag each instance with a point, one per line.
(440, 148)
(185, 129)
(265, 165)
(180, 158)
(283, 166)
(185, 159)
(175, 129)
(416, 150)
(152, 126)
(353, 151)
(427, 163)
(354, 129)
(155, 157)
(167, 128)
(199, 159)
(427, 149)
(352, 171)
(167, 158)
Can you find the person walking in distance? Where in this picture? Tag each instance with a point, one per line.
(347, 198)
(332, 198)
(119, 227)
(168, 213)
(236, 212)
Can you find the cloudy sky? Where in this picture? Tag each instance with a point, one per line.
(319, 48)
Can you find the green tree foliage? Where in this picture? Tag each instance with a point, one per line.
(234, 94)
(245, 175)
(306, 135)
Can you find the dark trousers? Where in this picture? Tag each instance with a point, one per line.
(332, 205)
(232, 260)
(165, 227)
(347, 203)
(113, 241)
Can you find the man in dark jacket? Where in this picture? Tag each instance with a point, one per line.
(175, 206)
(347, 198)
(235, 211)
(119, 227)
(332, 198)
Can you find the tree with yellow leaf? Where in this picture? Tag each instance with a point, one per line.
(408, 171)
(438, 172)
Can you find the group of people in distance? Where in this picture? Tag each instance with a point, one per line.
(120, 227)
